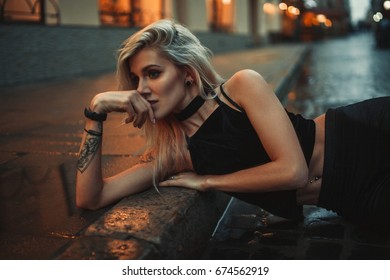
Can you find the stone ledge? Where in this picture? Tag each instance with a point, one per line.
(152, 226)
(105, 248)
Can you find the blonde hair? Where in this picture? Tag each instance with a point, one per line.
(165, 141)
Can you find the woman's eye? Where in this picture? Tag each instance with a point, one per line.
(153, 74)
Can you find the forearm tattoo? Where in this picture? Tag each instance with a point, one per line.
(88, 152)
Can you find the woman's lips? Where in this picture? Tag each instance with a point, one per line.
(152, 102)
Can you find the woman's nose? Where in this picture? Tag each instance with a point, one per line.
(143, 88)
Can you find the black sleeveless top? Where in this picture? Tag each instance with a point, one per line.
(227, 142)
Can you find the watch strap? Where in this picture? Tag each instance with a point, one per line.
(94, 116)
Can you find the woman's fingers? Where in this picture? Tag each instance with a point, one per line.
(170, 182)
(131, 102)
(141, 115)
(184, 179)
(138, 109)
(142, 111)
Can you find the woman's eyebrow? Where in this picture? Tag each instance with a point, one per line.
(146, 68)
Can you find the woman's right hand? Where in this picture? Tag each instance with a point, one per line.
(130, 102)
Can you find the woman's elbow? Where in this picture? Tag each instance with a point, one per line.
(86, 204)
(298, 176)
(87, 199)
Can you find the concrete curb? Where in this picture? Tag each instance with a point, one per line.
(291, 74)
(173, 225)
(178, 223)
(279, 65)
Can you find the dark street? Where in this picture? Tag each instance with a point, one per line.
(339, 72)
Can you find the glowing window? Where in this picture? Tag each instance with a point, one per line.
(220, 14)
(130, 12)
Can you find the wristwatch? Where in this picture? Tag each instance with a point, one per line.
(94, 116)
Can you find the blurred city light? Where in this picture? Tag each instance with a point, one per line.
(283, 6)
(310, 19)
(293, 10)
(310, 4)
(269, 8)
(321, 18)
(386, 5)
(292, 96)
(377, 17)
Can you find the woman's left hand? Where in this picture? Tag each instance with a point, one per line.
(188, 180)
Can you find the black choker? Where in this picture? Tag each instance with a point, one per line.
(191, 108)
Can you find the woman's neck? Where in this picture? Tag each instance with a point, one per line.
(193, 123)
(190, 109)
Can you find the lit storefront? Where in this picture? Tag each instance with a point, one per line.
(308, 20)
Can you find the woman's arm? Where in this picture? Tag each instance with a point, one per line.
(287, 168)
(92, 191)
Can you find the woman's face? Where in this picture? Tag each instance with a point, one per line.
(159, 81)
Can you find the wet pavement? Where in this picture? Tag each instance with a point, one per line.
(337, 72)
(40, 135)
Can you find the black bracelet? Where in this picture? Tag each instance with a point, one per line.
(94, 116)
(94, 133)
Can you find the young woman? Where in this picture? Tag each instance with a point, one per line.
(205, 133)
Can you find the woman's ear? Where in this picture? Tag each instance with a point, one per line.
(189, 76)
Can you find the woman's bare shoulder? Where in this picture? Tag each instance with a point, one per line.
(243, 77)
(245, 82)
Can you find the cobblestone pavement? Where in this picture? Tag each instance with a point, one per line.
(337, 72)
